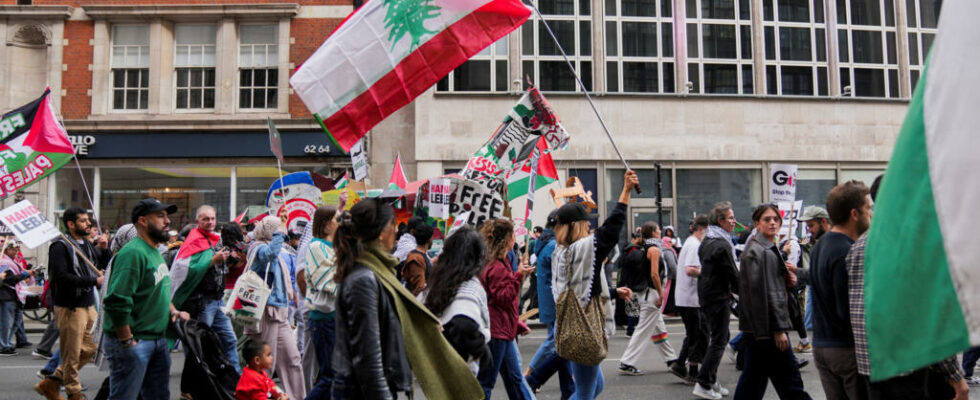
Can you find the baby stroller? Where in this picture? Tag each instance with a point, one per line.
(207, 375)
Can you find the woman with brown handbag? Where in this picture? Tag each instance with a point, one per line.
(584, 315)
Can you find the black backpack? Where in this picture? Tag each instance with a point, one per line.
(634, 270)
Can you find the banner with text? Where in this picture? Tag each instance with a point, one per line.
(514, 140)
(782, 183)
(440, 190)
(33, 144)
(358, 160)
(478, 202)
(28, 224)
(790, 211)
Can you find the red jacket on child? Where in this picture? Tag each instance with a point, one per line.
(255, 385)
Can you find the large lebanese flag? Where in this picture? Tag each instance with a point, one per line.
(390, 51)
(922, 278)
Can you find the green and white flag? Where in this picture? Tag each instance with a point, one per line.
(922, 262)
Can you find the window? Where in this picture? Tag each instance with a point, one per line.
(487, 71)
(796, 53)
(699, 190)
(813, 185)
(195, 66)
(541, 58)
(868, 54)
(130, 63)
(867, 176)
(922, 18)
(639, 46)
(719, 46)
(258, 62)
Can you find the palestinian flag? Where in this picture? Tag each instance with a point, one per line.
(342, 182)
(922, 292)
(388, 52)
(192, 261)
(517, 181)
(33, 144)
(398, 180)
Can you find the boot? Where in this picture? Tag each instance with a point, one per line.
(49, 388)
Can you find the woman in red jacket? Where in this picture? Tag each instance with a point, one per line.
(503, 287)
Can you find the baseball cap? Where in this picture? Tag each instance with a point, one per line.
(814, 212)
(572, 212)
(151, 205)
(552, 219)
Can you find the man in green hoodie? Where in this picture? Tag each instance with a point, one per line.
(138, 309)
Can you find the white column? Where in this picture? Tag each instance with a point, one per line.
(233, 199)
(902, 42)
(100, 69)
(833, 49)
(758, 48)
(96, 191)
(225, 76)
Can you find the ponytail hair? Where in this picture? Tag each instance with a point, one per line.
(362, 225)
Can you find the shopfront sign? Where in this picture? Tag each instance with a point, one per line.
(195, 144)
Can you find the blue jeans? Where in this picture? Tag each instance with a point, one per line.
(213, 317)
(8, 315)
(322, 332)
(143, 369)
(53, 363)
(507, 361)
(588, 379)
(546, 362)
(808, 311)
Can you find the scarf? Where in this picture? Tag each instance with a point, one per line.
(441, 372)
(717, 232)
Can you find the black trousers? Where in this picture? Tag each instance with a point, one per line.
(695, 336)
(716, 317)
(924, 384)
(764, 362)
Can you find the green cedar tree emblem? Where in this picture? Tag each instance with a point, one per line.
(408, 17)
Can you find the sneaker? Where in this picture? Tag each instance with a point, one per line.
(802, 363)
(730, 352)
(720, 389)
(702, 393)
(973, 381)
(24, 345)
(41, 374)
(803, 348)
(8, 352)
(38, 353)
(629, 370)
(678, 370)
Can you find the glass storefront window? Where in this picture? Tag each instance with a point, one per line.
(813, 185)
(70, 190)
(188, 188)
(864, 175)
(699, 189)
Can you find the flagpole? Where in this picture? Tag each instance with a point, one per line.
(585, 90)
(81, 175)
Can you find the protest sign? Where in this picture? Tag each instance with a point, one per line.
(28, 224)
(297, 196)
(782, 184)
(514, 140)
(465, 196)
(439, 193)
(358, 160)
(790, 211)
(33, 144)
